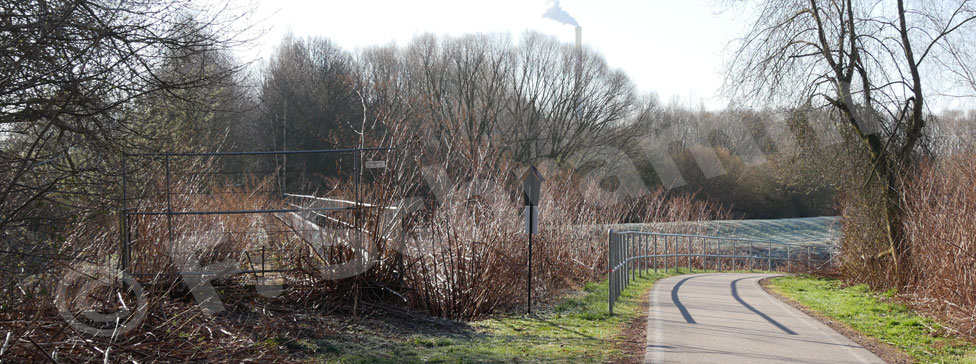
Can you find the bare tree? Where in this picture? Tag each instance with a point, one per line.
(386, 95)
(72, 75)
(566, 100)
(872, 63)
(309, 94)
(458, 88)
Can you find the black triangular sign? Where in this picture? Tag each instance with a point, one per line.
(532, 186)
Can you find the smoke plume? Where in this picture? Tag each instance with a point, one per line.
(558, 14)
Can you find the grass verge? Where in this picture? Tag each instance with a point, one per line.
(876, 315)
(576, 329)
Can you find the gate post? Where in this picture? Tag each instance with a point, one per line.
(610, 287)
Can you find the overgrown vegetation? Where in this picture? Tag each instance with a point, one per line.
(463, 128)
(85, 82)
(872, 68)
(940, 221)
(572, 329)
(880, 316)
(863, 80)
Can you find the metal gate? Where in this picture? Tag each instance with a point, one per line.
(182, 211)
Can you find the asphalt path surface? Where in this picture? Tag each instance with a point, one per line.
(729, 318)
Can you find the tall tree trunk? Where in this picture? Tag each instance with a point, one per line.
(893, 217)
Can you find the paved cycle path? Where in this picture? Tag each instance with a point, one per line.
(729, 318)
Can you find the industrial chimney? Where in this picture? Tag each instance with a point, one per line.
(579, 53)
(579, 39)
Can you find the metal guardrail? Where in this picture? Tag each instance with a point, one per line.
(632, 253)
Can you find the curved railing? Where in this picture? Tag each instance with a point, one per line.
(631, 253)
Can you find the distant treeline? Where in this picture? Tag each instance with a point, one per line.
(489, 98)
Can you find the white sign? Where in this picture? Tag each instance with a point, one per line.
(375, 164)
(532, 219)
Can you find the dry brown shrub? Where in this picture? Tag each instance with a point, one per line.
(864, 248)
(463, 258)
(471, 256)
(940, 226)
(173, 328)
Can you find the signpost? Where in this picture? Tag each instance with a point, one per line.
(531, 191)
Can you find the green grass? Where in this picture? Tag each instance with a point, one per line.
(873, 314)
(576, 329)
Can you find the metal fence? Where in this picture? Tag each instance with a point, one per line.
(244, 204)
(632, 253)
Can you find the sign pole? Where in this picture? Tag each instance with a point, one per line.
(531, 212)
(531, 191)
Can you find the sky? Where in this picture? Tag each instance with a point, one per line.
(675, 48)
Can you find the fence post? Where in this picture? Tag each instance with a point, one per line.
(641, 264)
(640, 252)
(718, 253)
(128, 240)
(704, 259)
(647, 248)
(622, 274)
(358, 159)
(123, 229)
(654, 240)
(789, 262)
(769, 255)
(633, 254)
(636, 254)
(616, 266)
(169, 205)
(674, 256)
(610, 269)
(734, 253)
(647, 253)
(618, 241)
(633, 251)
(809, 266)
(623, 263)
(688, 252)
(752, 258)
(664, 253)
(630, 259)
(123, 264)
(644, 260)
(621, 253)
(626, 262)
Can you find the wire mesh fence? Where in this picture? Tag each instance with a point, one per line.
(244, 212)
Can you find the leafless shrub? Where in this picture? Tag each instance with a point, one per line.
(82, 282)
(864, 251)
(472, 257)
(941, 211)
